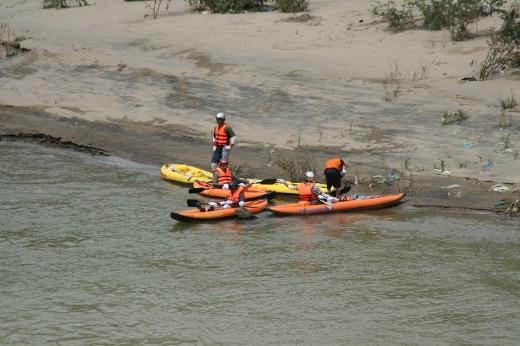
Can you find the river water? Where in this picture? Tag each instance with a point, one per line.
(90, 256)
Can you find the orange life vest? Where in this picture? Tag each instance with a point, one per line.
(235, 195)
(334, 163)
(221, 137)
(305, 192)
(224, 177)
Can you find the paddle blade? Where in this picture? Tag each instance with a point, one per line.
(267, 181)
(345, 189)
(188, 175)
(196, 190)
(192, 202)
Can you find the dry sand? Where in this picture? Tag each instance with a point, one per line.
(109, 76)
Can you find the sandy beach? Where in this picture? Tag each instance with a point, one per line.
(108, 78)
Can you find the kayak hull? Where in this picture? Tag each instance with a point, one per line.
(195, 215)
(249, 194)
(184, 173)
(360, 203)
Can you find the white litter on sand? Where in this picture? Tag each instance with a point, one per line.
(499, 188)
(450, 186)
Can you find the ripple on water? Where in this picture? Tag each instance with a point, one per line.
(89, 255)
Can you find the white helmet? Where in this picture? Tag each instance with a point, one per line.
(309, 175)
(220, 116)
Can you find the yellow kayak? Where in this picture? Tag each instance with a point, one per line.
(281, 188)
(184, 173)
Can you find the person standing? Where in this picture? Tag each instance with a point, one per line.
(309, 191)
(334, 171)
(223, 140)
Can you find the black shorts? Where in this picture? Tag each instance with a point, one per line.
(333, 178)
(217, 155)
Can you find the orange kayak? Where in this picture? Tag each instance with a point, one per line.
(217, 214)
(250, 194)
(344, 204)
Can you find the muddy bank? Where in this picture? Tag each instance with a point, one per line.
(154, 144)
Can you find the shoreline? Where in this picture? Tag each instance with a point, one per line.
(154, 145)
(339, 85)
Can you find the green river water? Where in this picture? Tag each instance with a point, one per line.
(90, 256)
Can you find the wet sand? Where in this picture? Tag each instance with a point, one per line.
(147, 143)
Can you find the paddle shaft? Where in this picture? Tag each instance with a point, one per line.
(193, 203)
(219, 186)
(187, 175)
(200, 189)
(265, 182)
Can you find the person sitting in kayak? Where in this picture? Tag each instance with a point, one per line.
(235, 198)
(223, 176)
(309, 192)
(225, 179)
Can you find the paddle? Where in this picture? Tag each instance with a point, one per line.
(345, 189)
(196, 203)
(197, 189)
(200, 189)
(186, 175)
(265, 182)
